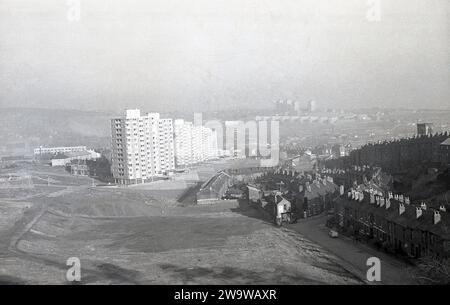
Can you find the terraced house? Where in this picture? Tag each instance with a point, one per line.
(394, 223)
(311, 194)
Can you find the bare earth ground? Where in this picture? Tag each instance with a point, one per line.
(145, 236)
(354, 255)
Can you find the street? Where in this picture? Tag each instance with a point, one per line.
(353, 255)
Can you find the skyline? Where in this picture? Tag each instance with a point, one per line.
(209, 55)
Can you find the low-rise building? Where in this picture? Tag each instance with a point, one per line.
(214, 189)
(58, 150)
(79, 169)
(444, 151)
(315, 197)
(68, 157)
(424, 129)
(394, 223)
(309, 195)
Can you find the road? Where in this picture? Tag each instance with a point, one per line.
(354, 255)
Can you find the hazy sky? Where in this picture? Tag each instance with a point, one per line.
(171, 54)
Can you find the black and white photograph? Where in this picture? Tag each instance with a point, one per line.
(227, 149)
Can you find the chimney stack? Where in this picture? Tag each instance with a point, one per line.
(341, 190)
(437, 217)
(372, 198)
(401, 209)
(388, 203)
(300, 188)
(418, 212)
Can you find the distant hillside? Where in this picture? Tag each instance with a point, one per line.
(22, 129)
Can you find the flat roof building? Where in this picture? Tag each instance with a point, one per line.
(193, 144)
(142, 147)
(62, 149)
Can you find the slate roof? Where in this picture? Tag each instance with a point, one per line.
(407, 219)
(446, 142)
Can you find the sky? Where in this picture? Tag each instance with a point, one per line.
(219, 54)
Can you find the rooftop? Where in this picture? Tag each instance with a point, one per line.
(407, 219)
(446, 142)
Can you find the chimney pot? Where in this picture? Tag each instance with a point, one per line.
(401, 209)
(361, 197)
(388, 203)
(418, 212)
(437, 217)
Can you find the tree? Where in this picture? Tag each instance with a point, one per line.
(433, 271)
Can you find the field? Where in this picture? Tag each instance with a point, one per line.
(143, 235)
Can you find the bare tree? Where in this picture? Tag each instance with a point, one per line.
(433, 271)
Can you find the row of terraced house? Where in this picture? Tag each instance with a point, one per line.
(394, 222)
(401, 153)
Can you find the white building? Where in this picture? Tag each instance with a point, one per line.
(55, 150)
(142, 147)
(193, 144)
(183, 143)
(209, 143)
(68, 157)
